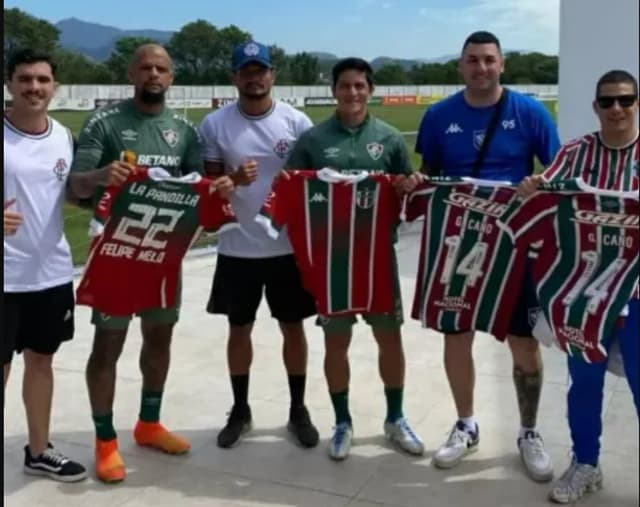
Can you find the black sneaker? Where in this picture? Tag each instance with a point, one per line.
(301, 426)
(53, 464)
(238, 424)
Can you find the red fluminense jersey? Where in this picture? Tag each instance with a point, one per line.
(587, 266)
(143, 229)
(468, 271)
(341, 227)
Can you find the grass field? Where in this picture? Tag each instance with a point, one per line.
(405, 118)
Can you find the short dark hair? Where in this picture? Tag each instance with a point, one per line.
(352, 63)
(28, 56)
(482, 37)
(617, 76)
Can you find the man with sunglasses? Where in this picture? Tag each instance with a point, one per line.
(606, 159)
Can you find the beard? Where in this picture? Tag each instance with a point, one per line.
(149, 97)
(251, 92)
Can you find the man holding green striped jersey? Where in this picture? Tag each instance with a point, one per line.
(352, 140)
(607, 159)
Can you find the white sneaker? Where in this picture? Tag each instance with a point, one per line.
(461, 442)
(401, 433)
(535, 458)
(340, 443)
(577, 480)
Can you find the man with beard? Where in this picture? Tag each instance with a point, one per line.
(149, 134)
(455, 134)
(249, 141)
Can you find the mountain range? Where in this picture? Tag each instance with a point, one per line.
(96, 41)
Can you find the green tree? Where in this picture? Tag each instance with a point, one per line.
(281, 64)
(304, 69)
(391, 74)
(120, 58)
(202, 53)
(74, 68)
(21, 30)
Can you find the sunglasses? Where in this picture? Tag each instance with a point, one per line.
(624, 100)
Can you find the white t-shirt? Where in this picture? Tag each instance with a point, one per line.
(36, 168)
(232, 137)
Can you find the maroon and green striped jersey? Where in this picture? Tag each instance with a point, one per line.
(587, 266)
(341, 227)
(142, 231)
(468, 271)
(597, 164)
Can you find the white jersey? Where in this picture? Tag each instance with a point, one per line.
(36, 168)
(232, 137)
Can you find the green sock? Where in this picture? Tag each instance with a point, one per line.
(340, 403)
(394, 403)
(104, 427)
(150, 406)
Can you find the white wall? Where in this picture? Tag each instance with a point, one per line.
(595, 36)
(91, 92)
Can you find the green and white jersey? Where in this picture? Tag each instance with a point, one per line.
(587, 267)
(121, 132)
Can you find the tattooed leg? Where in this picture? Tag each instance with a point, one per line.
(528, 387)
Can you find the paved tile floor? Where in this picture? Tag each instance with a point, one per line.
(268, 469)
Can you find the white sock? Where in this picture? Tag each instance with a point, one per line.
(469, 423)
(523, 431)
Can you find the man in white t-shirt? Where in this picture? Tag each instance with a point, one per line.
(248, 142)
(38, 300)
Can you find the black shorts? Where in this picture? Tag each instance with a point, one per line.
(238, 284)
(39, 321)
(526, 309)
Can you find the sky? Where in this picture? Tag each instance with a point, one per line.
(365, 28)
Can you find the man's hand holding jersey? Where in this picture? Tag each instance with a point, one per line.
(530, 185)
(246, 173)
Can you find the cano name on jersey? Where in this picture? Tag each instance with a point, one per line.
(464, 256)
(142, 231)
(341, 228)
(587, 267)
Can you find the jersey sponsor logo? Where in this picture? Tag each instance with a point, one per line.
(477, 204)
(375, 150)
(365, 198)
(332, 152)
(60, 169)
(100, 115)
(454, 128)
(171, 137)
(508, 124)
(453, 304)
(129, 135)
(318, 197)
(575, 337)
(478, 138)
(159, 160)
(282, 147)
(606, 219)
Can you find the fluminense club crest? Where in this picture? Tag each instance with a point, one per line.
(375, 150)
(60, 169)
(171, 137)
(282, 147)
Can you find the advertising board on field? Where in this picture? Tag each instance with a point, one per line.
(398, 100)
(427, 100)
(319, 101)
